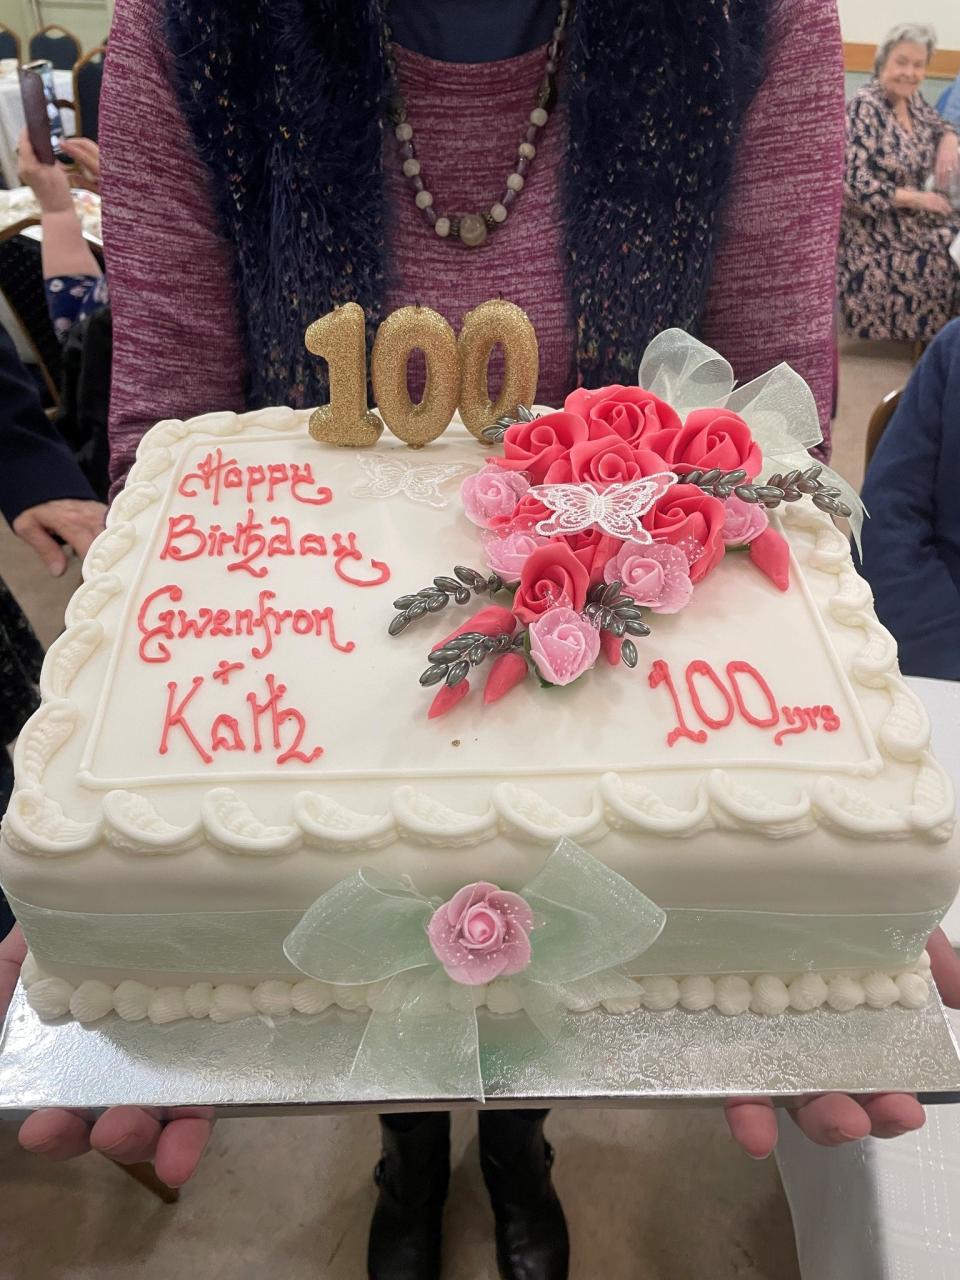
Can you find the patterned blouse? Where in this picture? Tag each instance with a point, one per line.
(71, 299)
(896, 277)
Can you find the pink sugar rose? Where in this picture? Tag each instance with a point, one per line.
(482, 933)
(656, 575)
(492, 492)
(563, 644)
(742, 521)
(508, 554)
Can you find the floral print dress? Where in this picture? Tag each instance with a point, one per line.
(896, 277)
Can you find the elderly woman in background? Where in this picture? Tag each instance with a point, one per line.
(897, 279)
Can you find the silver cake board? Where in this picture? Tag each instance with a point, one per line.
(301, 1064)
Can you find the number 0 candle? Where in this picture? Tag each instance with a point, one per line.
(492, 323)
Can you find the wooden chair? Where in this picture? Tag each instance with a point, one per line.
(21, 283)
(61, 49)
(87, 79)
(9, 43)
(879, 420)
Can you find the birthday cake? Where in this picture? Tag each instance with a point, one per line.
(620, 625)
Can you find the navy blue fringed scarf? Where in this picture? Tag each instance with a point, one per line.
(285, 101)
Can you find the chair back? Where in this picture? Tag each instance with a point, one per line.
(879, 421)
(9, 43)
(57, 45)
(21, 283)
(87, 79)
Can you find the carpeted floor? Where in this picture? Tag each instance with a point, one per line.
(662, 1195)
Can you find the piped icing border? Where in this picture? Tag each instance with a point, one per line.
(36, 824)
(730, 994)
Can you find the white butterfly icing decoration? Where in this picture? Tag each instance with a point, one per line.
(387, 475)
(617, 510)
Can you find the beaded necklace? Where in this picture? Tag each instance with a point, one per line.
(473, 229)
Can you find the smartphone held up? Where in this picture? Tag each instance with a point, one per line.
(41, 112)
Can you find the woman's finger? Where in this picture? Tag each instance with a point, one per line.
(753, 1125)
(13, 948)
(893, 1114)
(945, 965)
(127, 1134)
(181, 1145)
(832, 1119)
(57, 1134)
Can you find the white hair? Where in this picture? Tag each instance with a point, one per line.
(903, 33)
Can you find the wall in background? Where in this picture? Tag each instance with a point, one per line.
(867, 21)
(89, 20)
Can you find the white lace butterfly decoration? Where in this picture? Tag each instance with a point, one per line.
(420, 482)
(616, 510)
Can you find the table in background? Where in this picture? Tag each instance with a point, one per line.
(12, 121)
(885, 1210)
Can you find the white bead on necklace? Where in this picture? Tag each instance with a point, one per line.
(473, 229)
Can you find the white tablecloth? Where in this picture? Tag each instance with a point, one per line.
(11, 118)
(885, 1210)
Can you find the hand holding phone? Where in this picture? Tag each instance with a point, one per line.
(40, 110)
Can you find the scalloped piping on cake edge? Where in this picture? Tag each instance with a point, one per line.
(36, 824)
(730, 994)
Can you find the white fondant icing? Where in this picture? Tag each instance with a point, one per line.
(874, 781)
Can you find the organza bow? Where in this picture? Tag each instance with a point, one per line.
(423, 1031)
(778, 407)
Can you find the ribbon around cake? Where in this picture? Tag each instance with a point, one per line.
(778, 407)
(576, 922)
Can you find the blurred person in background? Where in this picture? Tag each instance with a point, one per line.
(78, 303)
(896, 277)
(949, 104)
(911, 543)
(74, 279)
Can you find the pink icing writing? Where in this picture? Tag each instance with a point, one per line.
(249, 543)
(216, 474)
(733, 695)
(262, 624)
(267, 718)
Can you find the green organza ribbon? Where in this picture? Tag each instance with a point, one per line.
(778, 407)
(589, 923)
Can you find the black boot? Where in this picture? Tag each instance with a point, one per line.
(532, 1240)
(412, 1175)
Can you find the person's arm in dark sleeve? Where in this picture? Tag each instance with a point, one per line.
(916, 596)
(43, 492)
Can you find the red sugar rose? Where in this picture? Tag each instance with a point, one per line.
(712, 438)
(551, 576)
(631, 413)
(688, 518)
(533, 446)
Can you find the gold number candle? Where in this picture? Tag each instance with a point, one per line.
(491, 323)
(339, 338)
(401, 333)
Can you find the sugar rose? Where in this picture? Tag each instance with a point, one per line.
(533, 446)
(743, 521)
(593, 548)
(688, 518)
(508, 553)
(564, 645)
(655, 574)
(482, 933)
(552, 576)
(628, 412)
(604, 461)
(492, 493)
(714, 438)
